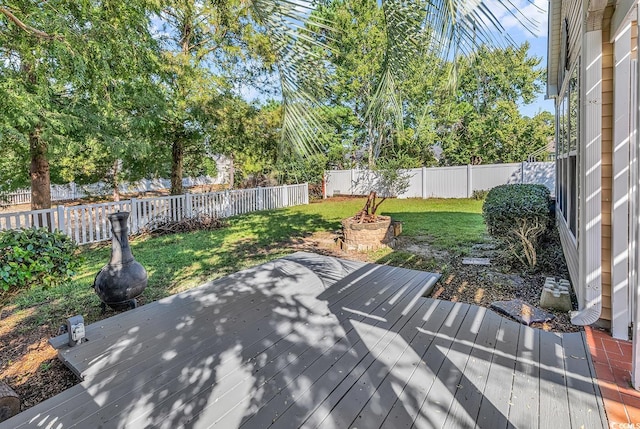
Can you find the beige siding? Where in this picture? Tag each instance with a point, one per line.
(607, 142)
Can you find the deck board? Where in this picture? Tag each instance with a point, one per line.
(585, 410)
(417, 402)
(334, 375)
(451, 373)
(554, 399)
(313, 341)
(524, 410)
(395, 382)
(324, 354)
(468, 397)
(494, 410)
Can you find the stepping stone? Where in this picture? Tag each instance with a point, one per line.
(484, 246)
(476, 261)
(522, 312)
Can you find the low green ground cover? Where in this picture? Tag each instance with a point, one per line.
(181, 261)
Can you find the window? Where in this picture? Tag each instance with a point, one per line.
(568, 121)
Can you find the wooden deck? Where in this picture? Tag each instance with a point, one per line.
(317, 342)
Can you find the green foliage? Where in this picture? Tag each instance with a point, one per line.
(390, 180)
(479, 194)
(35, 257)
(76, 90)
(481, 122)
(518, 215)
(408, 100)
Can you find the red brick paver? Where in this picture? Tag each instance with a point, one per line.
(612, 362)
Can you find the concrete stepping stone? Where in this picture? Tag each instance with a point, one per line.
(476, 261)
(522, 312)
(484, 246)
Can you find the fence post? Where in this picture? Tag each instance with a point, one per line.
(324, 185)
(260, 198)
(188, 205)
(285, 196)
(469, 181)
(135, 222)
(522, 167)
(227, 203)
(305, 196)
(424, 182)
(351, 183)
(61, 222)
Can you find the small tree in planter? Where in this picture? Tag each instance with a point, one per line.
(367, 230)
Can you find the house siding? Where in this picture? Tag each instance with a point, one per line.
(572, 11)
(569, 248)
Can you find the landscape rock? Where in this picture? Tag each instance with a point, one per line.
(522, 312)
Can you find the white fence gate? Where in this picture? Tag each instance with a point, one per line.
(89, 223)
(448, 182)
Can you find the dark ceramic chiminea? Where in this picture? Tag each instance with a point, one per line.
(123, 278)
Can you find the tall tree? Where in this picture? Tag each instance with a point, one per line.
(481, 122)
(404, 110)
(61, 63)
(206, 47)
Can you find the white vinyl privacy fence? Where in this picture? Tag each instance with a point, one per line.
(447, 182)
(89, 223)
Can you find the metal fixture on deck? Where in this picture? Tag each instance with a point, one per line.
(75, 330)
(123, 279)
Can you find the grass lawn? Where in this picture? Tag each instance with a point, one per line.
(182, 261)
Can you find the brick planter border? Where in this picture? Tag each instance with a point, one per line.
(366, 236)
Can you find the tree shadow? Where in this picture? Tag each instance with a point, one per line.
(300, 341)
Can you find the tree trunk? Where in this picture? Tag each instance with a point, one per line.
(116, 187)
(371, 143)
(9, 402)
(177, 159)
(231, 171)
(39, 172)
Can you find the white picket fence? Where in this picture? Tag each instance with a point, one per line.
(89, 223)
(447, 182)
(72, 191)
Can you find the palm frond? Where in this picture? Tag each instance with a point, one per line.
(292, 28)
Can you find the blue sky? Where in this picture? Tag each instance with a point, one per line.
(536, 11)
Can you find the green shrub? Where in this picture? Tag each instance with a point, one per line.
(518, 215)
(479, 194)
(30, 257)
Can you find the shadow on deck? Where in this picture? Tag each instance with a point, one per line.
(313, 341)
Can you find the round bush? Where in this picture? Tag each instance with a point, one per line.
(30, 257)
(518, 215)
